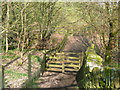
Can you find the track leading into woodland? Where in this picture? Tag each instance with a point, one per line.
(60, 76)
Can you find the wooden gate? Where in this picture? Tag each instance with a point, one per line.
(64, 62)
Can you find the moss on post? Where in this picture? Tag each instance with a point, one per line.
(80, 76)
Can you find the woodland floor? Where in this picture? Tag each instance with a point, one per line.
(55, 80)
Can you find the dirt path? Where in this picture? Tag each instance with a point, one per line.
(53, 80)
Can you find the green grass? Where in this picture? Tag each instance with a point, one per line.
(9, 57)
(12, 52)
(36, 58)
(15, 73)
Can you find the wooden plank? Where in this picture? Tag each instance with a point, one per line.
(67, 53)
(70, 69)
(60, 66)
(50, 57)
(72, 65)
(66, 65)
(52, 65)
(74, 58)
(57, 57)
(63, 57)
(70, 61)
(61, 70)
(66, 61)
(58, 69)
(60, 52)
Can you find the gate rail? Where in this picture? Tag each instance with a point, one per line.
(64, 62)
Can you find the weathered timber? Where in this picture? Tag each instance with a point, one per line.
(64, 62)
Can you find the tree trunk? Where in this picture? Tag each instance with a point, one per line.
(109, 48)
(25, 28)
(111, 42)
(119, 32)
(8, 10)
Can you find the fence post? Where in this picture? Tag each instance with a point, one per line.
(43, 64)
(3, 77)
(63, 66)
(83, 57)
(63, 69)
(29, 66)
(80, 59)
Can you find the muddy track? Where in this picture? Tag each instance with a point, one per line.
(55, 80)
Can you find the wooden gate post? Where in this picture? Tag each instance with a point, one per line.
(63, 67)
(3, 77)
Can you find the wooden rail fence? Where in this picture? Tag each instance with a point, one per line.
(6, 65)
(29, 73)
(64, 62)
